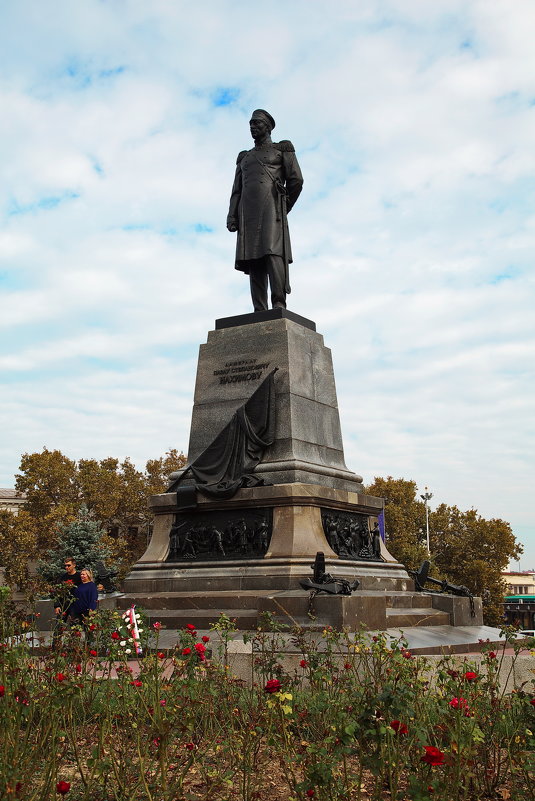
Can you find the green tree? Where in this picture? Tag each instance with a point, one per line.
(82, 540)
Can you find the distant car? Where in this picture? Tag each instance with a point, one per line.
(521, 634)
(524, 634)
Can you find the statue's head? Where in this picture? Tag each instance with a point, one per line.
(261, 123)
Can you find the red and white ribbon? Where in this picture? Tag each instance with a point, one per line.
(132, 619)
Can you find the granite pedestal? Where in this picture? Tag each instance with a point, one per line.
(236, 358)
(248, 554)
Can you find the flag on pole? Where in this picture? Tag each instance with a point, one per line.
(381, 522)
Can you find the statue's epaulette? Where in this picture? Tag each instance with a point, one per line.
(240, 156)
(285, 145)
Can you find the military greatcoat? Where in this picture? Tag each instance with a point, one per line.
(268, 182)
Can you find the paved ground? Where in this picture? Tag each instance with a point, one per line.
(419, 640)
(515, 671)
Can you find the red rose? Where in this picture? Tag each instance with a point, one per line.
(136, 683)
(190, 746)
(63, 787)
(205, 638)
(115, 635)
(455, 703)
(60, 676)
(156, 626)
(470, 675)
(399, 727)
(93, 653)
(186, 651)
(272, 686)
(433, 756)
(303, 663)
(161, 655)
(200, 648)
(2, 690)
(492, 655)
(78, 668)
(190, 627)
(92, 627)
(347, 666)
(310, 793)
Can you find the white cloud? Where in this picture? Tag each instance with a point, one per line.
(413, 239)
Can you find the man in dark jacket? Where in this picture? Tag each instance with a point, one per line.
(268, 181)
(71, 579)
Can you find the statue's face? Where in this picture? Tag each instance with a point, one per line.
(258, 127)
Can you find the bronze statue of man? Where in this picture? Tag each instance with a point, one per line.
(268, 182)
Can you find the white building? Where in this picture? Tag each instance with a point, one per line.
(11, 500)
(520, 583)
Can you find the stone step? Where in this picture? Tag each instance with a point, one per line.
(202, 618)
(408, 600)
(229, 599)
(400, 599)
(203, 609)
(246, 599)
(423, 616)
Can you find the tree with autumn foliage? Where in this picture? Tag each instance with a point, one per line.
(17, 546)
(157, 471)
(470, 550)
(114, 493)
(404, 519)
(48, 480)
(465, 548)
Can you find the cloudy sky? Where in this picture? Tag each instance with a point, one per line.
(414, 124)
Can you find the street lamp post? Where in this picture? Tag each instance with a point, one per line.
(426, 497)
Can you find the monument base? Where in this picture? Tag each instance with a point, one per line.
(298, 515)
(197, 588)
(372, 610)
(248, 553)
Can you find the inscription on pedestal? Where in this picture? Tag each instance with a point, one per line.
(349, 535)
(220, 535)
(236, 372)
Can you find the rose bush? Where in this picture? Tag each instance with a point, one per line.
(353, 713)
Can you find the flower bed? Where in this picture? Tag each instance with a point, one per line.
(360, 719)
